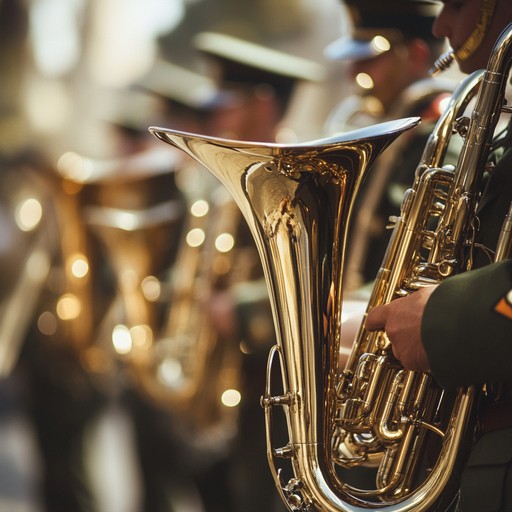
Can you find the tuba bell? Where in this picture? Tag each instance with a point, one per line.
(297, 201)
(115, 208)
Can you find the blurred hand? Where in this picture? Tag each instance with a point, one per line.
(401, 320)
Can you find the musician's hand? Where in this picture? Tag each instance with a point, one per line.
(401, 320)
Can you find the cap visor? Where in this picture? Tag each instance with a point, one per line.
(347, 48)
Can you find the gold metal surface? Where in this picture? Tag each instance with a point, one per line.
(297, 201)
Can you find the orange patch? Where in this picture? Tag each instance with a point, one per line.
(504, 308)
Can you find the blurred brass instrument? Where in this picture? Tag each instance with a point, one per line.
(47, 258)
(118, 212)
(170, 255)
(297, 201)
(28, 252)
(193, 370)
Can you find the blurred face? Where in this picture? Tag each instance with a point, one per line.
(458, 19)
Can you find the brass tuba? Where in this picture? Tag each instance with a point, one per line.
(298, 201)
(157, 324)
(118, 206)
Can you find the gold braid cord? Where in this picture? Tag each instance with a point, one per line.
(477, 36)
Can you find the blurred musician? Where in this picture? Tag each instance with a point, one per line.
(136, 211)
(389, 53)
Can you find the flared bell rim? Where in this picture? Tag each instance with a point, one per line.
(384, 129)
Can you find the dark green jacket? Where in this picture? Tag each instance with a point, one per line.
(468, 340)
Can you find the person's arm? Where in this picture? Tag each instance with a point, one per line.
(454, 329)
(467, 339)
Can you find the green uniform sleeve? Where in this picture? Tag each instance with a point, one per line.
(466, 339)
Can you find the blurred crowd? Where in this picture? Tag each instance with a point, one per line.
(134, 318)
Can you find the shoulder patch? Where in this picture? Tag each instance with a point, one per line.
(504, 305)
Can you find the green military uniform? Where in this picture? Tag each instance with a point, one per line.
(466, 331)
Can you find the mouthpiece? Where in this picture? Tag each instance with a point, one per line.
(442, 63)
